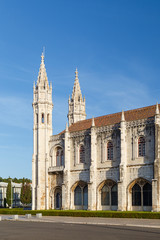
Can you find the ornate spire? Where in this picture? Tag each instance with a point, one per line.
(76, 104)
(42, 76)
(157, 109)
(122, 117)
(76, 93)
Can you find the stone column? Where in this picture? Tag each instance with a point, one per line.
(66, 174)
(92, 189)
(122, 168)
(156, 180)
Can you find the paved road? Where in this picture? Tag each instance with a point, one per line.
(17, 230)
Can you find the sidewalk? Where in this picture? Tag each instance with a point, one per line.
(129, 222)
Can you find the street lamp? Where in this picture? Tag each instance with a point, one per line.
(11, 192)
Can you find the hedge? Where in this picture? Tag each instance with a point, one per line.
(83, 213)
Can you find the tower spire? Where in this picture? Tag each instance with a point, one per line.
(42, 80)
(76, 103)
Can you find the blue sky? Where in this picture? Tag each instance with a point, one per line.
(115, 44)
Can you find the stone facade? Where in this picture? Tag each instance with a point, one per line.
(107, 163)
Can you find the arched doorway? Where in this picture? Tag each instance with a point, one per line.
(58, 198)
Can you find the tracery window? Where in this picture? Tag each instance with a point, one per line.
(59, 156)
(141, 147)
(81, 195)
(142, 193)
(110, 151)
(109, 194)
(82, 154)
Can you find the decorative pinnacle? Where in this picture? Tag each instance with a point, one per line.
(42, 58)
(122, 117)
(76, 72)
(157, 109)
(66, 127)
(93, 123)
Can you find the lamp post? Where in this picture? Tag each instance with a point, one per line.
(11, 192)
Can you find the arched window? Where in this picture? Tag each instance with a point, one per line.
(59, 157)
(62, 158)
(109, 194)
(114, 197)
(109, 151)
(42, 117)
(81, 154)
(141, 147)
(147, 195)
(78, 196)
(142, 193)
(136, 195)
(81, 195)
(105, 195)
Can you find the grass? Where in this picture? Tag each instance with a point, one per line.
(83, 213)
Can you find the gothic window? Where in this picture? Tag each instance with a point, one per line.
(114, 195)
(109, 194)
(42, 117)
(81, 195)
(147, 195)
(81, 154)
(105, 195)
(141, 147)
(59, 157)
(142, 194)
(136, 195)
(110, 151)
(78, 196)
(62, 158)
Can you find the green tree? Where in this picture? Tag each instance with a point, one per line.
(8, 194)
(26, 195)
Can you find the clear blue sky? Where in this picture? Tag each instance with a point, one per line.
(115, 44)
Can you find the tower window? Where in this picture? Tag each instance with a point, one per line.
(109, 151)
(141, 147)
(42, 117)
(81, 154)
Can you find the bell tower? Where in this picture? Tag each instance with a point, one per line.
(76, 103)
(42, 130)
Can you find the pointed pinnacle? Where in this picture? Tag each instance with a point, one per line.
(66, 127)
(122, 117)
(76, 72)
(42, 58)
(93, 123)
(157, 109)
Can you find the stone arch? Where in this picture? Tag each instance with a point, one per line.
(53, 195)
(52, 154)
(107, 195)
(79, 195)
(140, 195)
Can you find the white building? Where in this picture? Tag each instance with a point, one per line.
(16, 191)
(107, 163)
